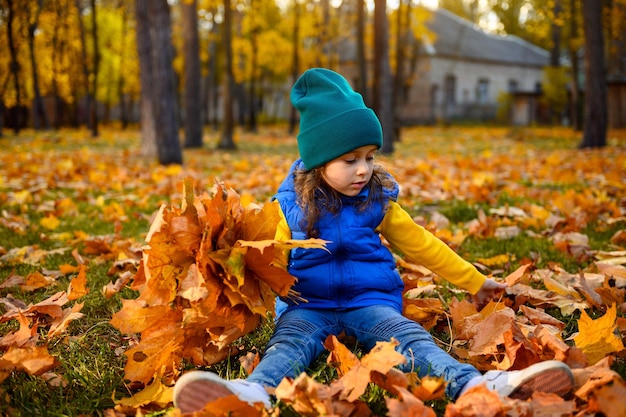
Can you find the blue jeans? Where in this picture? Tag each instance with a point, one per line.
(299, 336)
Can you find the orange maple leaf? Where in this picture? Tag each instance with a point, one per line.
(33, 359)
(78, 285)
(61, 323)
(408, 406)
(26, 335)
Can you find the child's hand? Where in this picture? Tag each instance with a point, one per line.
(490, 290)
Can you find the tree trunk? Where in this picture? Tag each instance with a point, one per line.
(252, 100)
(596, 112)
(193, 100)
(576, 108)
(227, 141)
(402, 29)
(295, 61)
(144, 46)
(15, 68)
(95, 70)
(164, 86)
(212, 83)
(360, 49)
(85, 67)
(40, 118)
(124, 108)
(383, 86)
(59, 45)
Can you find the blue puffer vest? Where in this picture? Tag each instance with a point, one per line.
(356, 271)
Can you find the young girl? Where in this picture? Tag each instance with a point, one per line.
(337, 193)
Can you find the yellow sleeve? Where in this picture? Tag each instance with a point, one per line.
(282, 229)
(421, 246)
(283, 233)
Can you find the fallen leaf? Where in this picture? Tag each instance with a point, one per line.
(598, 338)
(154, 393)
(78, 285)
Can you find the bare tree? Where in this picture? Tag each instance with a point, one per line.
(596, 112)
(193, 101)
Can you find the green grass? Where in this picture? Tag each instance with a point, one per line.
(90, 353)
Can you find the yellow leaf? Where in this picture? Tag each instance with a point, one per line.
(22, 197)
(155, 393)
(557, 287)
(497, 260)
(50, 222)
(599, 338)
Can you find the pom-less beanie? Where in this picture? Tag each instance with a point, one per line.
(334, 120)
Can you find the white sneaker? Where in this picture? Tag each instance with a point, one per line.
(549, 376)
(195, 389)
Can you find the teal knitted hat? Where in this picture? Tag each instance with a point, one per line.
(333, 117)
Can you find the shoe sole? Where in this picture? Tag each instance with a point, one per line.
(549, 377)
(194, 390)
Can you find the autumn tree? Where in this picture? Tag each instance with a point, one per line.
(467, 9)
(123, 83)
(154, 45)
(596, 116)
(409, 28)
(209, 29)
(193, 101)
(59, 44)
(509, 15)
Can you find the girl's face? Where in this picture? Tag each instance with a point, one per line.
(349, 173)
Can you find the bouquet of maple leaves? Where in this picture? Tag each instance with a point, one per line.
(210, 271)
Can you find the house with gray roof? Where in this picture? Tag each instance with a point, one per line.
(466, 72)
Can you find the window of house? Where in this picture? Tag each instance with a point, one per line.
(450, 89)
(482, 91)
(513, 86)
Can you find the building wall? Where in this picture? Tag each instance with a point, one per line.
(476, 88)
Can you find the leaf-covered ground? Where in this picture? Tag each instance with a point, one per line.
(94, 321)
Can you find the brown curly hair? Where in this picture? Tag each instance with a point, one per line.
(315, 196)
